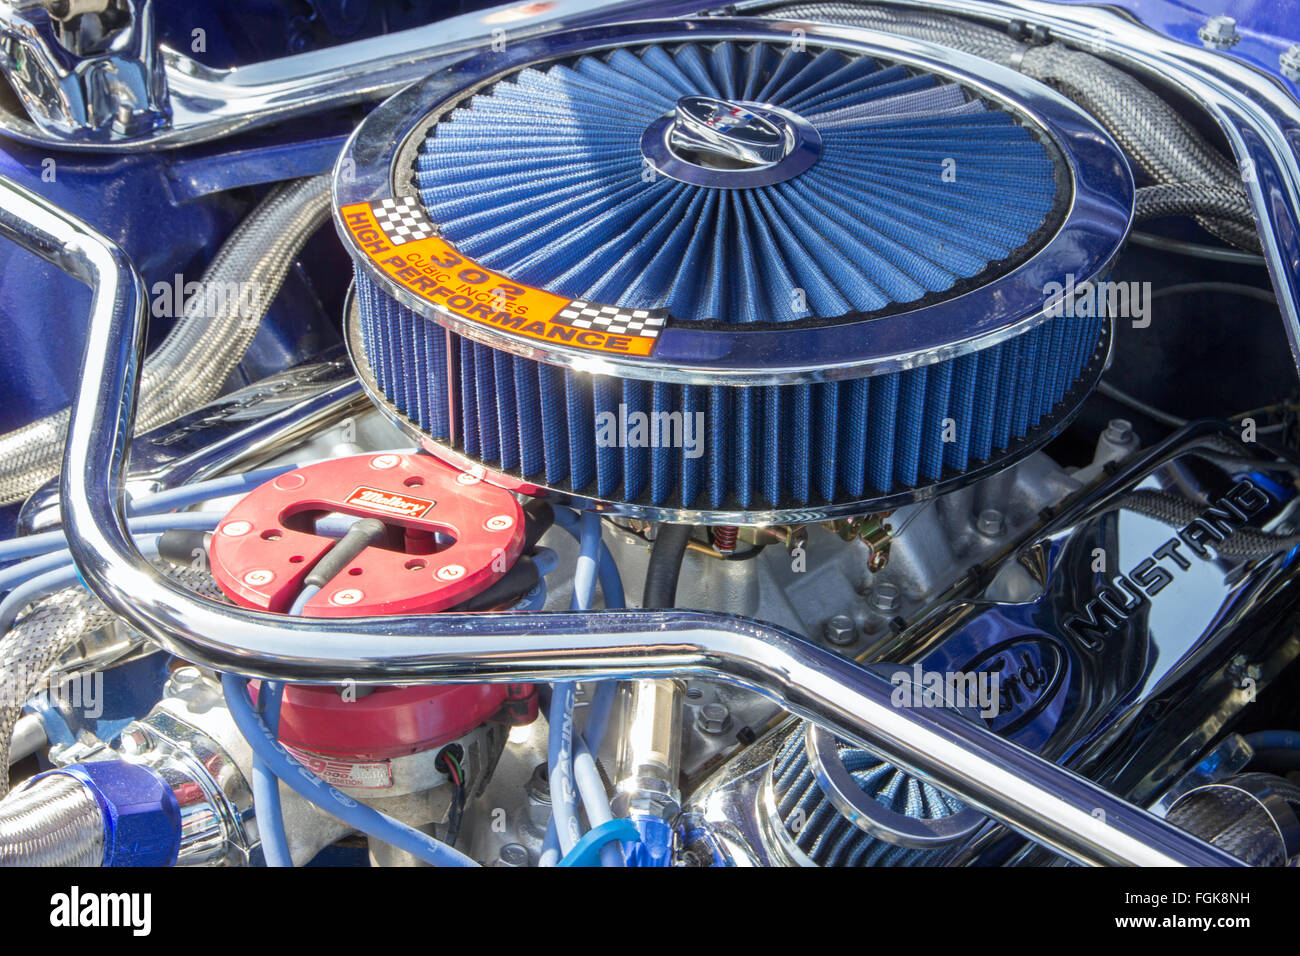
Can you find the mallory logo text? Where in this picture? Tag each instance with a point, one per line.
(391, 502)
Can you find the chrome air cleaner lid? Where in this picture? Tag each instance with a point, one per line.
(982, 189)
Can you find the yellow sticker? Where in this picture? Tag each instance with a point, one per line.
(429, 267)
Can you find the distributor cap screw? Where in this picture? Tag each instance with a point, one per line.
(713, 719)
(1220, 33)
(1289, 61)
(840, 630)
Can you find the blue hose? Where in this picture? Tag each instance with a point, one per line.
(310, 787)
(550, 846)
(1275, 750)
(545, 560)
(602, 703)
(611, 585)
(1273, 740)
(607, 834)
(559, 756)
(584, 576)
(266, 788)
(43, 585)
(53, 542)
(16, 574)
(560, 745)
(187, 496)
(594, 798)
(305, 595)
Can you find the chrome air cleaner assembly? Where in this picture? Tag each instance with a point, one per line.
(714, 271)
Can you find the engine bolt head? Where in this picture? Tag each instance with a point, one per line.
(512, 854)
(991, 522)
(539, 784)
(135, 741)
(840, 630)
(1289, 61)
(713, 718)
(885, 597)
(1118, 431)
(1219, 32)
(182, 679)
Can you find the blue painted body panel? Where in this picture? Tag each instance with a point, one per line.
(1267, 27)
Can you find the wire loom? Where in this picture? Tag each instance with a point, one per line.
(871, 228)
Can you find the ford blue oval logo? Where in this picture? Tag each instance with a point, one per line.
(1028, 671)
(739, 132)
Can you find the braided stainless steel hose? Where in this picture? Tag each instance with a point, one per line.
(189, 368)
(54, 822)
(51, 627)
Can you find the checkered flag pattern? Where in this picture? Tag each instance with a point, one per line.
(403, 220)
(612, 319)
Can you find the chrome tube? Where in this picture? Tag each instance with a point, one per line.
(648, 758)
(1033, 796)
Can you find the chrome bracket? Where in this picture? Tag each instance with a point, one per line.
(85, 68)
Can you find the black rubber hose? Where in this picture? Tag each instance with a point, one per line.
(184, 547)
(1277, 760)
(665, 566)
(363, 534)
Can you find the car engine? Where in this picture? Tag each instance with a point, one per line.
(624, 435)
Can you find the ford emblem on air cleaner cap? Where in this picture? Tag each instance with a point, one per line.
(730, 144)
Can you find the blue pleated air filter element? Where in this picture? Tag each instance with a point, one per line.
(827, 837)
(921, 191)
